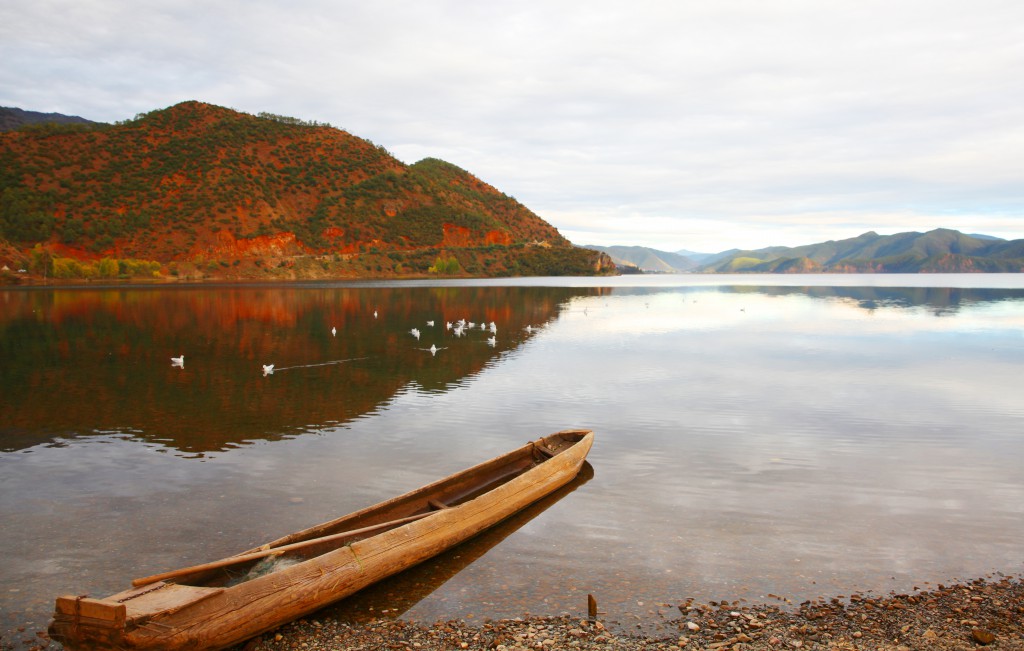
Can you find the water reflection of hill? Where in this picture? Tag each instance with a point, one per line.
(76, 362)
(941, 300)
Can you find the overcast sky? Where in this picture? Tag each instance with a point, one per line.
(673, 124)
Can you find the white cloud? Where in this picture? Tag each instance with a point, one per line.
(701, 126)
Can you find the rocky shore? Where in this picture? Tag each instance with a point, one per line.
(986, 613)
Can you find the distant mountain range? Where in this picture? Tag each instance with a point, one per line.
(201, 192)
(16, 118)
(645, 260)
(939, 250)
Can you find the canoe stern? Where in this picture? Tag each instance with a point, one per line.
(84, 623)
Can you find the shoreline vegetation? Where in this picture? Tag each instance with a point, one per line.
(148, 273)
(983, 613)
(42, 267)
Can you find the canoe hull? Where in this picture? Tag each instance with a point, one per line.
(175, 616)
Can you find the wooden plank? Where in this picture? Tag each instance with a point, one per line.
(169, 598)
(96, 611)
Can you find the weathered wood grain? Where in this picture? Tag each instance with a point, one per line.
(201, 610)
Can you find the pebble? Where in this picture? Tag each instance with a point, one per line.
(983, 636)
(888, 624)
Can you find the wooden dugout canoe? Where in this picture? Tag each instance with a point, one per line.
(216, 605)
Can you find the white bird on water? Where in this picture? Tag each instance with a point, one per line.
(178, 361)
(268, 369)
(491, 341)
(334, 331)
(430, 323)
(415, 333)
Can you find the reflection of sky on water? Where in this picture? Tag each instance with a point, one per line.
(797, 443)
(748, 443)
(796, 314)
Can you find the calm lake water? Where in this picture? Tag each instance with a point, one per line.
(758, 438)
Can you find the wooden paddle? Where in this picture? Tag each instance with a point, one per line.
(234, 560)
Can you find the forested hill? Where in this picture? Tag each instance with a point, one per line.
(202, 191)
(939, 250)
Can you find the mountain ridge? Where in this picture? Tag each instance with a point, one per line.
(12, 118)
(940, 250)
(204, 191)
(644, 259)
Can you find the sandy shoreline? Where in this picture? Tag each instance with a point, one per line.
(985, 613)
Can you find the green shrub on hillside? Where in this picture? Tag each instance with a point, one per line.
(25, 215)
(107, 268)
(445, 266)
(70, 269)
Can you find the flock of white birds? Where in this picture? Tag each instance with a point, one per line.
(458, 329)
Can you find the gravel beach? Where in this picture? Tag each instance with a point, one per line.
(985, 613)
(982, 614)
